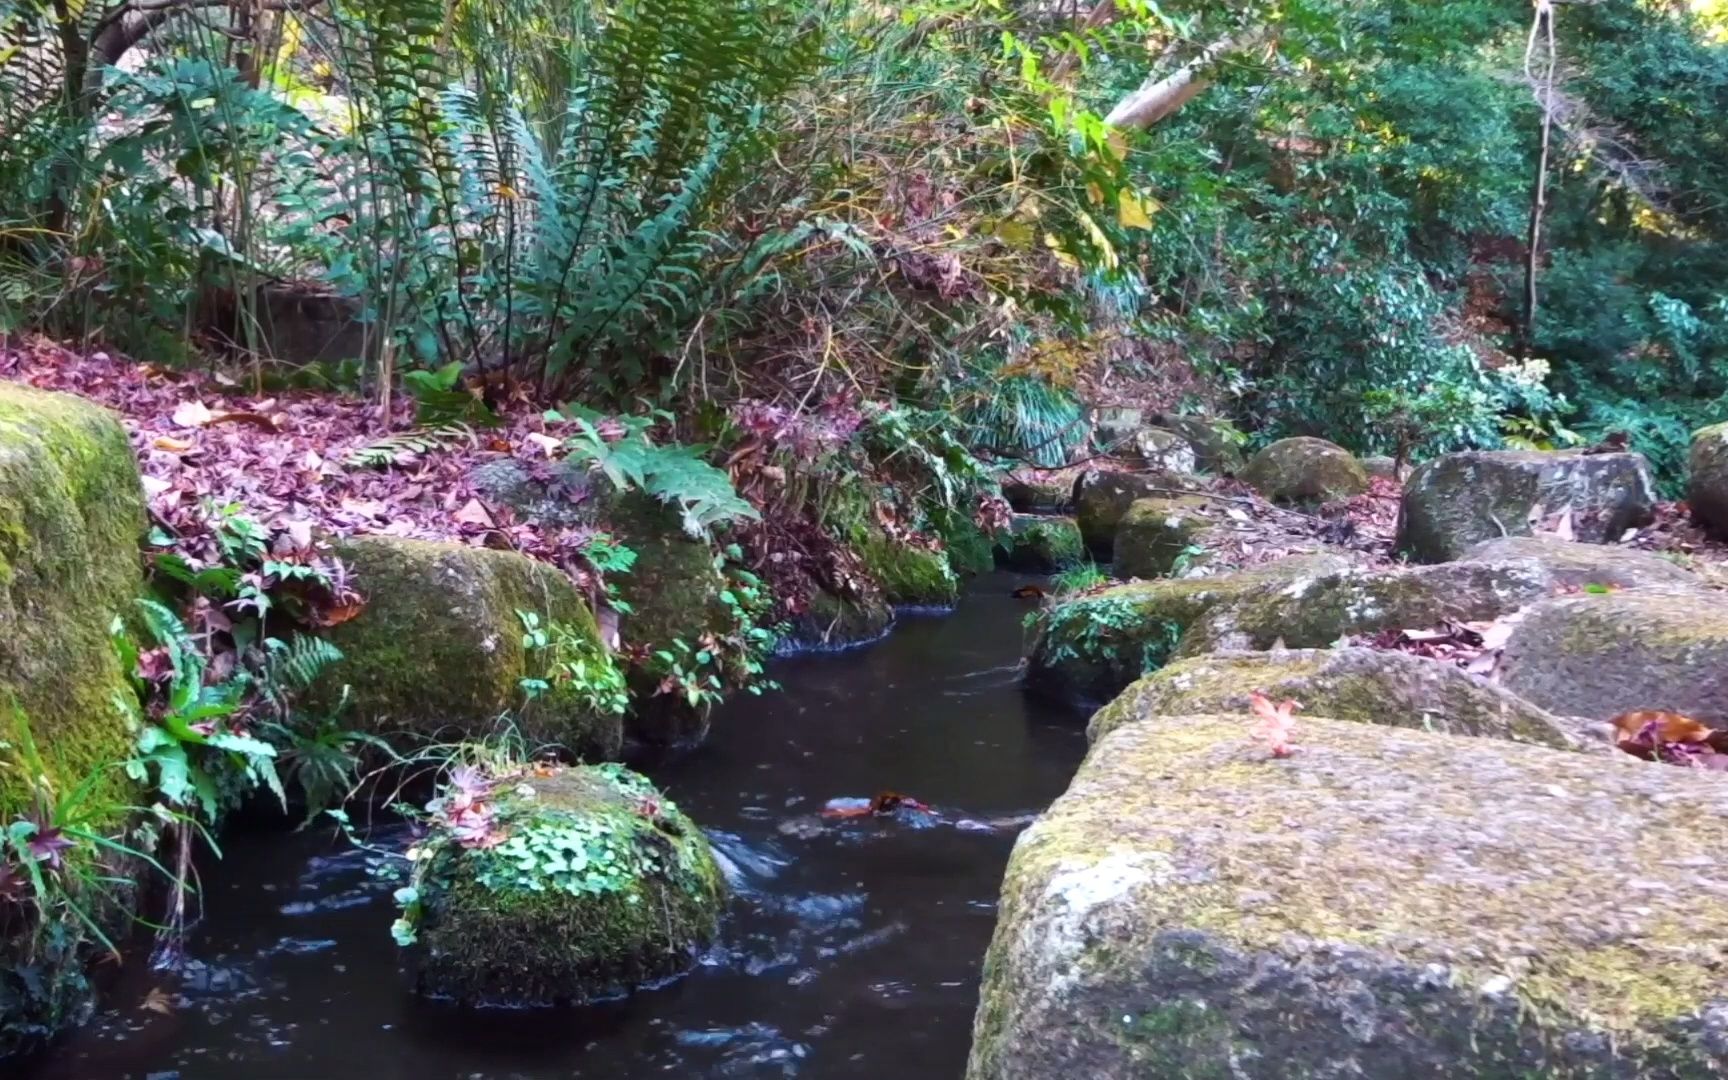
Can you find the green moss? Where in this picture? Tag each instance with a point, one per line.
(438, 648)
(644, 898)
(1042, 545)
(1406, 902)
(834, 622)
(911, 576)
(1089, 648)
(1159, 535)
(71, 524)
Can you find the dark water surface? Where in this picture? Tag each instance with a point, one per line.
(849, 950)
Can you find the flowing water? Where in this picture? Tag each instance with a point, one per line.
(849, 949)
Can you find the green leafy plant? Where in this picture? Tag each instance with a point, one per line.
(1079, 578)
(571, 662)
(674, 474)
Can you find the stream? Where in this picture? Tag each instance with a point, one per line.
(849, 949)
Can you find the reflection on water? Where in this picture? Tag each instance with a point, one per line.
(851, 947)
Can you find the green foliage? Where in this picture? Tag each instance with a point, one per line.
(1079, 578)
(573, 663)
(675, 474)
(404, 447)
(1094, 630)
(1025, 418)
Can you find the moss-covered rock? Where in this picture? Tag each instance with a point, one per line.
(438, 649)
(1366, 686)
(600, 885)
(1088, 648)
(1305, 470)
(1038, 544)
(1157, 534)
(831, 622)
(1317, 610)
(1164, 450)
(1038, 493)
(1102, 496)
(1456, 501)
(1574, 565)
(1216, 442)
(1707, 479)
(1382, 903)
(1381, 467)
(71, 525)
(1599, 656)
(909, 576)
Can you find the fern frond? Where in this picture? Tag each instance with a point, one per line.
(404, 447)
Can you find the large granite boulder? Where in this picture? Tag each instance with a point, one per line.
(1383, 902)
(1597, 656)
(1102, 497)
(72, 522)
(1573, 565)
(1456, 501)
(1038, 544)
(1114, 427)
(1039, 493)
(439, 649)
(1367, 686)
(1216, 442)
(1707, 478)
(1088, 648)
(1316, 610)
(591, 883)
(1305, 470)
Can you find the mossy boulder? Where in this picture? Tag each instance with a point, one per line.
(1365, 686)
(1038, 544)
(1381, 467)
(1164, 450)
(1305, 470)
(1157, 534)
(1316, 610)
(1597, 656)
(1574, 566)
(1102, 496)
(1456, 501)
(1088, 648)
(1384, 902)
(600, 885)
(1216, 442)
(1707, 479)
(438, 652)
(909, 575)
(72, 523)
(1039, 493)
(831, 622)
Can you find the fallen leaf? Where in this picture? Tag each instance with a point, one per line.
(158, 1001)
(257, 420)
(1028, 592)
(172, 445)
(191, 414)
(545, 442)
(473, 513)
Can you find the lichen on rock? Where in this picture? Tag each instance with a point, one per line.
(596, 885)
(1163, 450)
(438, 649)
(1317, 610)
(1038, 544)
(1305, 470)
(1456, 501)
(1597, 656)
(1368, 686)
(1574, 565)
(1089, 647)
(1216, 442)
(1382, 903)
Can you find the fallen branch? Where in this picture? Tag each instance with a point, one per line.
(1159, 97)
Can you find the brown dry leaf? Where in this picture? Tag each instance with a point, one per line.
(473, 513)
(1028, 592)
(256, 419)
(172, 445)
(158, 1001)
